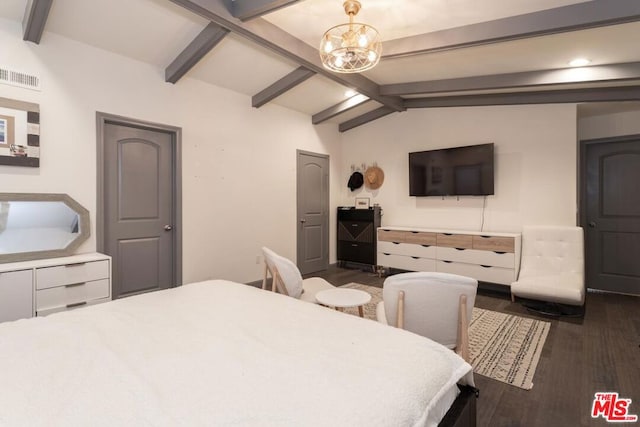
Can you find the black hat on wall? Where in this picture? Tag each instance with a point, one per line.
(355, 181)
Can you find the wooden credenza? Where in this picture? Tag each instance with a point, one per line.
(41, 287)
(485, 256)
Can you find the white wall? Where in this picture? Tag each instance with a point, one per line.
(608, 125)
(239, 163)
(535, 165)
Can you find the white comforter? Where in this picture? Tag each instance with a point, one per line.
(218, 353)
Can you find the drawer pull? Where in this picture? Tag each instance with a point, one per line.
(448, 234)
(396, 243)
(77, 264)
(354, 225)
(415, 257)
(448, 262)
(415, 232)
(460, 249)
(77, 304)
(354, 245)
(486, 237)
(426, 246)
(384, 253)
(73, 285)
(500, 252)
(485, 266)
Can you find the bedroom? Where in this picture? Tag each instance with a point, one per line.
(239, 163)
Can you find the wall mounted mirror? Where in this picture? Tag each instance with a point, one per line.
(35, 226)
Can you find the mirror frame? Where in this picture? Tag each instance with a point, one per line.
(83, 214)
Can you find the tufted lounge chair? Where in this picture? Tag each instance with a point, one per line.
(552, 268)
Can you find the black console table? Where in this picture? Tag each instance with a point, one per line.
(357, 234)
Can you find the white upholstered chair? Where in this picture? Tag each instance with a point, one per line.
(286, 278)
(435, 305)
(552, 266)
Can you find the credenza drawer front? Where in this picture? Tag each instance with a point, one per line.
(504, 276)
(455, 240)
(407, 249)
(62, 296)
(405, 262)
(47, 311)
(494, 243)
(473, 256)
(49, 277)
(421, 238)
(391, 235)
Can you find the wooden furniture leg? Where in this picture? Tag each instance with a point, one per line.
(462, 345)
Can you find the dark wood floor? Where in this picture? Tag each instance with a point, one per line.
(600, 352)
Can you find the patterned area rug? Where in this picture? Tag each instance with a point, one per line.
(503, 347)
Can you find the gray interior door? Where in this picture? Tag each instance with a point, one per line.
(139, 208)
(313, 212)
(612, 222)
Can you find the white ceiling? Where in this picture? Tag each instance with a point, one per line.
(309, 19)
(156, 31)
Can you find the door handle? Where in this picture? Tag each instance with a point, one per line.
(303, 220)
(592, 224)
(168, 227)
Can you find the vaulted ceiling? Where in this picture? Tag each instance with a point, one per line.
(435, 53)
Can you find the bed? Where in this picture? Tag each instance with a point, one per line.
(223, 353)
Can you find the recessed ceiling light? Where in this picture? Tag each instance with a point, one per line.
(579, 62)
(349, 93)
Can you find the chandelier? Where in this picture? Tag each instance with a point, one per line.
(352, 47)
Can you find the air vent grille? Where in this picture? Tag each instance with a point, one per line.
(19, 79)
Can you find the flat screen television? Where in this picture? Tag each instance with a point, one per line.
(457, 171)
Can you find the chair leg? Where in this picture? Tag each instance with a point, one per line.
(462, 345)
(400, 314)
(264, 280)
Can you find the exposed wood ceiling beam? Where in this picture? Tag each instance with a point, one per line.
(271, 37)
(340, 108)
(597, 73)
(289, 81)
(197, 49)
(602, 94)
(580, 16)
(249, 9)
(598, 94)
(35, 19)
(365, 118)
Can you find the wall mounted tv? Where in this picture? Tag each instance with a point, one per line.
(457, 171)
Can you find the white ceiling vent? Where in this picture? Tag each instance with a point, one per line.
(20, 79)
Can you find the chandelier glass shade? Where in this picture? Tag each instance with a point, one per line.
(352, 47)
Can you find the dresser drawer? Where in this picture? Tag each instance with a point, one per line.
(52, 310)
(423, 251)
(49, 277)
(504, 276)
(473, 256)
(405, 262)
(455, 240)
(391, 235)
(61, 296)
(357, 252)
(494, 243)
(421, 238)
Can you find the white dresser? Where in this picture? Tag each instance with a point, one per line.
(41, 287)
(485, 256)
